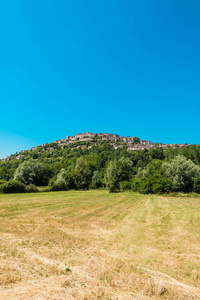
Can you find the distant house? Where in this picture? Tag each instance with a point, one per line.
(116, 137)
(136, 147)
(6, 158)
(19, 156)
(73, 138)
(144, 142)
(88, 136)
(100, 134)
(34, 148)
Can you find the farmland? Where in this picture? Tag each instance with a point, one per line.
(99, 245)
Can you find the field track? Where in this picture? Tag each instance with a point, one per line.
(95, 245)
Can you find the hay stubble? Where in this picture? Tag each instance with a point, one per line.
(96, 245)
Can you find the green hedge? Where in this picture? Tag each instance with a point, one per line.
(13, 186)
(156, 184)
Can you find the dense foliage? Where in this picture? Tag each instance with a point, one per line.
(13, 186)
(97, 163)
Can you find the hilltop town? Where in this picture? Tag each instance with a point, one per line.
(88, 139)
(129, 141)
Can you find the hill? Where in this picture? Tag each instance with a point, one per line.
(97, 160)
(88, 139)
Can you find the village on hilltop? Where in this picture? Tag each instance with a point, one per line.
(129, 141)
(118, 142)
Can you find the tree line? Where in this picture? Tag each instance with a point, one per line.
(147, 171)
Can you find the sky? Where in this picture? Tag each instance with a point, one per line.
(125, 67)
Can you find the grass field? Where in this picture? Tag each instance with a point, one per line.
(96, 245)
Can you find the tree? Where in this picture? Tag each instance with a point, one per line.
(156, 153)
(136, 140)
(43, 174)
(156, 184)
(196, 186)
(111, 178)
(4, 172)
(13, 186)
(60, 183)
(153, 167)
(96, 182)
(160, 184)
(84, 172)
(182, 172)
(25, 172)
(141, 185)
(125, 185)
(124, 168)
(31, 172)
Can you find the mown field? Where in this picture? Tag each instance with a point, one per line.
(96, 245)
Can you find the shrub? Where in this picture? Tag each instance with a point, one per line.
(196, 186)
(135, 184)
(45, 189)
(144, 186)
(1, 185)
(31, 188)
(125, 185)
(182, 172)
(160, 184)
(141, 185)
(59, 185)
(156, 184)
(13, 186)
(52, 180)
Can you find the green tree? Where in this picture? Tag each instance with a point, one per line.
(31, 172)
(136, 140)
(153, 167)
(125, 185)
(182, 172)
(156, 153)
(4, 172)
(141, 185)
(111, 178)
(13, 186)
(156, 184)
(25, 172)
(96, 181)
(160, 184)
(196, 186)
(43, 174)
(124, 168)
(60, 183)
(85, 174)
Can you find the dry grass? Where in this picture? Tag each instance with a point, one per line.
(95, 245)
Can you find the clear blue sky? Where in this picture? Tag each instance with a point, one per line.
(122, 66)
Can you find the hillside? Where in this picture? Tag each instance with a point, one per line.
(88, 139)
(85, 160)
